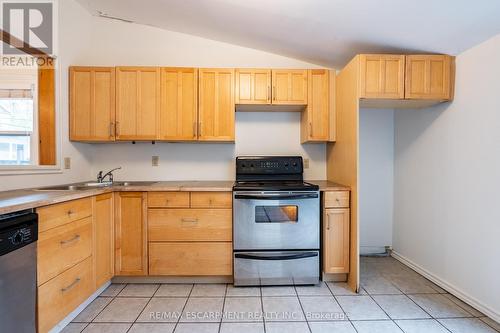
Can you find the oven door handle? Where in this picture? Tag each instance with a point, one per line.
(276, 257)
(284, 196)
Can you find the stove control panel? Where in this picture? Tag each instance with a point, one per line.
(269, 165)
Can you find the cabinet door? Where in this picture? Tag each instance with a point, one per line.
(92, 103)
(178, 104)
(216, 105)
(253, 86)
(382, 76)
(428, 77)
(289, 86)
(137, 103)
(336, 240)
(130, 234)
(104, 238)
(315, 119)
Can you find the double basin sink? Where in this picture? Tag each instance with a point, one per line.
(91, 185)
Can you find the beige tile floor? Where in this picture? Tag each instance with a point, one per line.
(394, 298)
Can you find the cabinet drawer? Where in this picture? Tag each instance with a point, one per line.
(55, 215)
(190, 224)
(62, 247)
(61, 295)
(190, 258)
(336, 199)
(211, 199)
(168, 199)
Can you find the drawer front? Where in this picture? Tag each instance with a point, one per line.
(62, 247)
(211, 199)
(61, 295)
(190, 258)
(168, 199)
(336, 199)
(190, 225)
(55, 215)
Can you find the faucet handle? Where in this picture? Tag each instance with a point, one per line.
(99, 176)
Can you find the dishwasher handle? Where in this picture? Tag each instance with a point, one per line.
(280, 256)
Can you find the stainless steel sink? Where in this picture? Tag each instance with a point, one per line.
(90, 185)
(135, 183)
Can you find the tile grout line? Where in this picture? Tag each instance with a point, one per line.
(184, 307)
(140, 312)
(391, 319)
(302, 308)
(223, 307)
(262, 308)
(112, 299)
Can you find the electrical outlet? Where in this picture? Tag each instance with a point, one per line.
(67, 163)
(306, 163)
(155, 160)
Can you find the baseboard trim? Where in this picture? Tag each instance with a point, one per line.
(173, 279)
(63, 323)
(448, 286)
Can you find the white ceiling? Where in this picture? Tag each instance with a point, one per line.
(326, 32)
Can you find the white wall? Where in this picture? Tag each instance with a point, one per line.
(376, 173)
(74, 38)
(447, 181)
(118, 43)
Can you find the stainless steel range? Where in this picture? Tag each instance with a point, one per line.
(276, 223)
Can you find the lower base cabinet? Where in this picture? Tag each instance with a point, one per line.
(336, 232)
(190, 258)
(60, 296)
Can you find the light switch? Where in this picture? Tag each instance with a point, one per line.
(155, 160)
(67, 163)
(306, 163)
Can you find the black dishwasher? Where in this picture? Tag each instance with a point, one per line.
(18, 236)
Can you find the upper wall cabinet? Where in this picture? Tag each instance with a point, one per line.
(137, 103)
(289, 86)
(253, 86)
(92, 103)
(382, 76)
(317, 121)
(216, 104)
(178, 104)
(429, 77)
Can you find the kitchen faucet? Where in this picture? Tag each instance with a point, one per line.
(100, 176)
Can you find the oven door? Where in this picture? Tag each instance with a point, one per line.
(276, 268)
(276, 220)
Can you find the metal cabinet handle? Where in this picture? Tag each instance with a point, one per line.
(111, 129)
(117, 128)
(310, 129)
(70, 212)
(199, 128)
(189, 220)
(328, 222)
(64, 242)
(77, 280)
(274, 93)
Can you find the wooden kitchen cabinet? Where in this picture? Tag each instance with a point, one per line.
(178, 104)
(382, 76)
(131, 233)
(429, 77)
(104, 238)
(253, 86)
(315, 119)
(289, 86)
(137, 103)
(92, 103)
(216, 104)
(336, 240)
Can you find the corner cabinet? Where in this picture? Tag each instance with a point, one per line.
(336, 228)
(137, 103)
(178, 104)
(104, 238)
(216, 104)
(429, 77)
(131, 233)
(92, 104)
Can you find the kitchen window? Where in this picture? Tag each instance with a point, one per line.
(18, 120)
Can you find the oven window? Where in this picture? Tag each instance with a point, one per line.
(276, 214)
